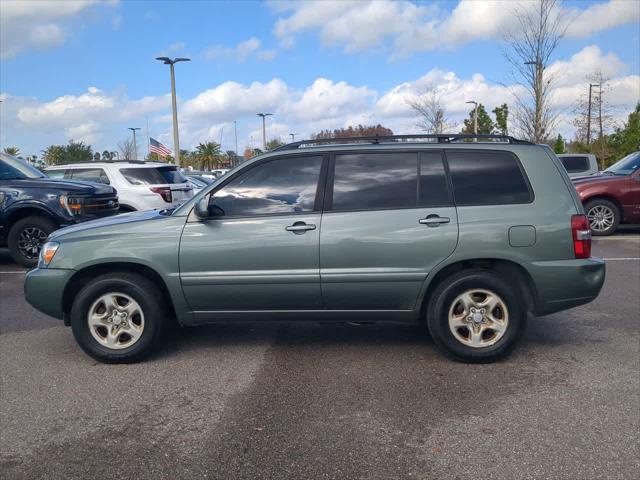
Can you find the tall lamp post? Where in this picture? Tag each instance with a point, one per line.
(475, 117)
(591, 85)
(264, 129)
(176, 142)
(135, 146)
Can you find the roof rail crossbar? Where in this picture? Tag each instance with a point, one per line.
(437, 138)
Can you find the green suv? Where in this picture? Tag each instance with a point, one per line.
(467, 236)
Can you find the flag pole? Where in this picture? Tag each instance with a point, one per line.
(148, 140)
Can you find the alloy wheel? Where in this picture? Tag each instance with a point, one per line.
(30, 242)
(601, 218)
(116, 320)
(478, 318)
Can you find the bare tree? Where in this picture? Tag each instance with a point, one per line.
(601, 110)
(430, 112)
(530, 46)
(126, 149)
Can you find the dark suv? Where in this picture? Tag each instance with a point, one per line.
(33, 205)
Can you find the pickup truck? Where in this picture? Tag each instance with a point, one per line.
(33, 205)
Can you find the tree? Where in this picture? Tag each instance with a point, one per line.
(77, 152)
(208, 155)
(107, 156)
(530, 46)
(430, 112)
(54, 154)
(558, 146)
(502, 116)
(96, 157)
(15, 151)
(273, 144)
(626, 140)
(352, 132)
(485, 124)
(248, 153)
(127, 152)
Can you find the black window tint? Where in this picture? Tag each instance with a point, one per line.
(143, 176)
(96, 175)
(286, 185)
(575, 164)
(432, 187)
(487, 178)
(172, 175)
(366, 181)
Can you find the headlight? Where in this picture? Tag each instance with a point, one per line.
(73, 206)
(47, 253)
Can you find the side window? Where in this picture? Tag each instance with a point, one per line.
(487, 178)
(374, 181)
(55, 173)
(286, 185)
(370, 181)
(575, 164)
(96, 175)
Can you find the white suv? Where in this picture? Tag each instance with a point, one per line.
(140, 185)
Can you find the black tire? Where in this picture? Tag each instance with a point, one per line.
(597, 228)
(35, 228)
(144, 292)
(444, 297)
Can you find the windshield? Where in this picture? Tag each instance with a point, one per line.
(626, 166)
(13, 169)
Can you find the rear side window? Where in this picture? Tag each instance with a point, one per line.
(575, 164)
(96, 175)
(172, 175)
(149, 176)
(376, 181)
(487, 178)
(55, 173)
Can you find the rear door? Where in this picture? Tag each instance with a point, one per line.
(389, 220)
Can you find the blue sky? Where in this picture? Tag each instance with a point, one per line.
(86, 70)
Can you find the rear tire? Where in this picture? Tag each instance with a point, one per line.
(476, 317)
(26, 237)
(119, 317)
(603, 215)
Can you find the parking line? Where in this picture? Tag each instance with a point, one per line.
(621, 259)
(8, 271)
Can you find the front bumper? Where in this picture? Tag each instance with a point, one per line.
(564, 284)
(44, 289)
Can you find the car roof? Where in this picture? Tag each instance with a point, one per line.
(112, 164)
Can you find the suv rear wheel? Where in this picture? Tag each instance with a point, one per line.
(475, 316)
(118, 317)
(26, 237)
(603, 215)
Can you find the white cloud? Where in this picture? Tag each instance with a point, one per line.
(101, 118)
(241, 52)
(37, 25)
(404, 27)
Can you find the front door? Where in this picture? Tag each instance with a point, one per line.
(389, 220)
(260, 250)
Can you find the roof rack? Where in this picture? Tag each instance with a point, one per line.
(101, 161)
(415, 138)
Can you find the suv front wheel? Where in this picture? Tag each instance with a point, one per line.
(475, 316)
(26, 237)
(118, 317)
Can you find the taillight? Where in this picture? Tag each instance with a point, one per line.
(581, 236)
(164, 192)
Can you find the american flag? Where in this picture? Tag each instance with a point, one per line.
(156, 147)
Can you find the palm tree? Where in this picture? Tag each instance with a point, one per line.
(208, 155)
(12, 151)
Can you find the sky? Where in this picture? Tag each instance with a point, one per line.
(86, 70)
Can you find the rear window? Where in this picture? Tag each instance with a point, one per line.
(152, 176)
(575, 164)
(487, 178)
(375, 181)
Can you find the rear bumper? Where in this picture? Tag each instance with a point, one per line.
(564, 284)
(44, 289)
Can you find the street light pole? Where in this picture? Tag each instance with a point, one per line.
(475, 118)
(235, 132)
(135, 146)
(176, 141)
(264, 129)
(293, 137)
(591, 85)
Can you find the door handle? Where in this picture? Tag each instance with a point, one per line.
(434, 220)
(299, 228)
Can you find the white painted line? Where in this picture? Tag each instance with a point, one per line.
(620, 237)
(621, 259)
(22, 273)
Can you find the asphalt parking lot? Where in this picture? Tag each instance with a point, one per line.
(370, 402)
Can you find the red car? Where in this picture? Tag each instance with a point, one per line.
(612, 196)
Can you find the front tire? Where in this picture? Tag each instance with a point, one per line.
(603, 215)
(26, 238)
(476, 317)
(119, 317)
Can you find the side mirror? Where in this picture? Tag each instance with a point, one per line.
(202, 208)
